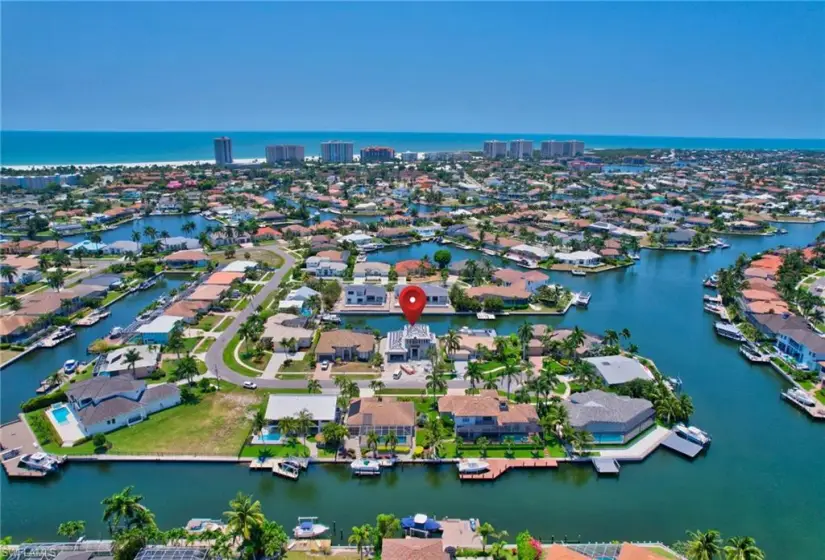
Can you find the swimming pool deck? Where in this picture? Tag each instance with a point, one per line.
(500, 466)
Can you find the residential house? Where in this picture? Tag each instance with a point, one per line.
(180, 259)
(114, 363)
(360, 294)
(413, 342)
(103, 404)
(223, 278)
(275, 330)
(27, 271)
(488, 414)
(371, 270)
(16, 327)
(207, 294)
(616, 370)
(158, 330)
(530, 280)
(89, 247)
(189, 310)
(383, 416)
(528, 253)
(359, 239)
(680, 237)
(610, 418)
(345, 345)
(179, 243)
(394, 233)
(579, 258)
(322, 408)
(509, 295)
(802, 345)
(437, 296)
(414, 549)
(324, 267)
(222, 238)
(124, 246)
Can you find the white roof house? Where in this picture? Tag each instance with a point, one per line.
(537, 252)
(358, 238)
(296, 304)
(301, 294)
(162, 325)
(239, 266)
(616, 370)
(579, 257)
(322, 407)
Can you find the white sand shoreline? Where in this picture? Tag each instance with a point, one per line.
(239, 161)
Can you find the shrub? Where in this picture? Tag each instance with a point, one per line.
(42, 401)
(100, 442)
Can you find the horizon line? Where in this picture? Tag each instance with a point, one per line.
(213, 131)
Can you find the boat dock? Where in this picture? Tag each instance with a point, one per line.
(605, 465)
(500, 466)
(581, 299)
(287, 468)
(681, 445)
(92, 318)
(817, 412)
(16, 440)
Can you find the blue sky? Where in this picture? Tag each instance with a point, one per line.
(665, 69)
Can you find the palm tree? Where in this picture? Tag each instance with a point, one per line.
(392, 441)
(56, 279)
(743, 548)
(188, 227)
(452, 341)
(377, 386)
(304, 422)
(313, 386)
(436, 383)
(473, 373)
(373, 441)
(8, 272)
(611, 337)
(247, 332)
(511, 371)
(244, 517)
(288, 426)
(500, 345)
(259, 421)
(121, 507)
(360, 538)
(71, 529)
(14, 304)
(187, 368)
(487, 531)
(625, 332)
(79, 253)
(136, 237)
(525, 335)
(131, 357)
(703, 546)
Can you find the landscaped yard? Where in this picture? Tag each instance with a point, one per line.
(820, 396)
(255, 254)
(489, 366)
(255, 362)
(357, 376)
(217, 425)
(206, 344)
(224, 324)
(298, 366)
(297, 449)
(207, 322)
(190, 343)
(168, 366)
(232, 363)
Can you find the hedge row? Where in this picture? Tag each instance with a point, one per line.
(42, 401)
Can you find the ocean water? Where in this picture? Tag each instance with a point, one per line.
(40, 148)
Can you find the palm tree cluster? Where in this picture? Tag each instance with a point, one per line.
(299, 425)
(708, 545)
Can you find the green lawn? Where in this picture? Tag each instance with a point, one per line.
(242, 305)
(807, 385)
(207, 322)
(224, 324)
(254, 362)
(500, 451)
(206, 344)
(190, 343)
(217, 425)
(292, 376)
(110, 297)
(400, 392)
(488, 366)
(232, 363)
(357, 376)
(297, 366)
(297, 449)
(820, 396)
(168, 366)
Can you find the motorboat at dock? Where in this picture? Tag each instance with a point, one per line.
(728, 330)
(308, 528)
(93, 318)
(58, 336)
(472, 466)
(799, 396)
(365, 467)
(692, 434)
(42, 462)
(754, 354)
(581, 299)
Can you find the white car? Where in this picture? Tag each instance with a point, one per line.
(325, 365)
(397, 374)
(249, 385)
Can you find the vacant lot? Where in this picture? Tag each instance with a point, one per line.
(255, 254)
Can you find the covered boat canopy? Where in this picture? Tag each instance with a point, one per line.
(420, 522)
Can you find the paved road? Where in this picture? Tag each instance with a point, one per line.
(214, 357)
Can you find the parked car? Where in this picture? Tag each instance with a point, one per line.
(249, 385)
(325, 365)
(397, 374)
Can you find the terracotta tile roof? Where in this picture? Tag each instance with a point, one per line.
(223, 278)
(488, 403)
(559, 552)
(386, 412)
(413, 549)
(11, 324)
(329, 340)
(633, 552)
(192, 256)
(509, 292)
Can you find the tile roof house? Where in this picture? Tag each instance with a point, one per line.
(385, 416)
(223, 278)
(413, 268)
(103, 404)
(186, 258)
(561, 552)
(14, 327)
(510, 295)
(488, 414)
(413, 342)
(345, 345)
(275, 330)
(532, 279)
(609, 417)
(413, 549)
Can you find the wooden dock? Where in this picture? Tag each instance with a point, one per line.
(16, 440)
(500, 466)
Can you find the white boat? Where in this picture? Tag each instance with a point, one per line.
(578, 272)
(307, 528)
(145, 285)
(40, 462)
(365, 467)
(198, 525)
(581, 299)
(92, 318)
(692, 433)
(69, 366)
(635, 256)
(711, 282)
(724, 246)
(754, 354)
(330, 318)
(727, 330)
(713, 308)
(704, 250)
(485, 316)
(58, 336)
(712, 299)
(386, 462)
(116, 332)
(472, 466)
(799, 396)
(361, 259)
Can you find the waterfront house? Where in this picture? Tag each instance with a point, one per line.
(579, 258)
(413, 267)
(802, 345)
(158, 331)
(395, 233)
(528, 253)
(302, 294)
(488, 414)
(385, 416)
(371, 270)
(115, 364)
(208, 294)
(429, 230)
(509, 295)
(414, 549)
(680, 237)
(360, 294)
(345, 345)
(469, 346)
(223, 278)
(103, 404)
(413, 342)
(222, 238)
(611, 418)
(530, 280)
(180, 259)
(26, 268)
(359, 239)
(19, 246)
(15, 327)
(179, 243)
(275, 330)
(265, 233)
(322, 408)
(324, 267)
(89, 247)
(124, 246)
(615, 370)
(436, 295)
(189, 311)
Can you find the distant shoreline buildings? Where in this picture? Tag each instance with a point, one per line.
(223, 150)
(284, 152)
(336, 151)
(39, 181)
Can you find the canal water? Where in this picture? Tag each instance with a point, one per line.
(761, 477)
(171, 224)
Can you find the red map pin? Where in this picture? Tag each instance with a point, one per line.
(412, 300)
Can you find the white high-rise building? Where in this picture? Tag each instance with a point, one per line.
(521, 149)
(556, 148)
(284, 152)
(223, 150)
(336, 151)
(577, 147)
(409, 157)
(494, 149)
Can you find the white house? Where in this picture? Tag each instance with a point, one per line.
(413, 342)
(359, 239)
(360, 294)
(114, 363)
(323, 267)
(579, 258)
(375, 270)
(322, 408)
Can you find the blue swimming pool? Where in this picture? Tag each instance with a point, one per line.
(271, 437)
(61, 414)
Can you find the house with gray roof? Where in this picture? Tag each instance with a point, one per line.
(363, 294)
(680, 237)
(802, 345)
(436, 295)
(376, 270)
(124, 246)
(413, 342)
(616, 370)
(610, 418)
(115, 363)
(179, 243)
(103, 404)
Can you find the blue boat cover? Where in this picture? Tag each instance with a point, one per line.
(429, 525)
